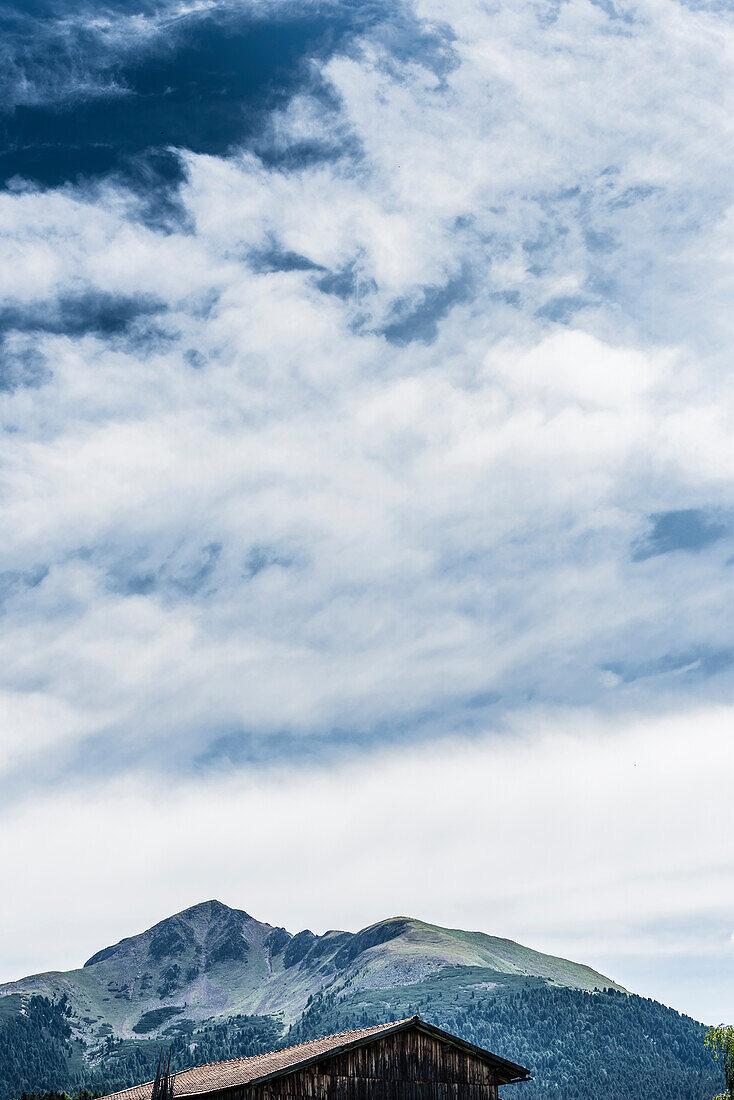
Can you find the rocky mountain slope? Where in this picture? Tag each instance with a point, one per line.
(213, 961)
(214, 982)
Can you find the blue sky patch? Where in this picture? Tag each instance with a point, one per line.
(204, 82)
(688, 529)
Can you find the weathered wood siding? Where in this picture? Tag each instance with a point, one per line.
(409, 1065)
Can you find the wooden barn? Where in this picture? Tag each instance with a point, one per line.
(407, 1060)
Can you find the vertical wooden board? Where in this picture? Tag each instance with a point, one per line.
(410, 1055)
(301, 1087)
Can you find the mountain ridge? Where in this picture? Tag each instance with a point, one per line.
(214, 982)
(217, 961)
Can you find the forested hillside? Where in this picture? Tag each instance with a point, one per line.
(583, 1046)
(590, 1046)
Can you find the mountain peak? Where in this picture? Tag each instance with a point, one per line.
(203, 913)
(212, 909)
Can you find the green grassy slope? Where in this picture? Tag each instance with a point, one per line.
(414, 949)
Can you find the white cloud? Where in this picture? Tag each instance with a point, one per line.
(393, 494)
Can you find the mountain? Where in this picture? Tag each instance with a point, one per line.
(214, 982)
(211, 960)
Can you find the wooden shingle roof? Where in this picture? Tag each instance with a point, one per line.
(215, 1076)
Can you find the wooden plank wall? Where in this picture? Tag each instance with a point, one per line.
(409, 1065)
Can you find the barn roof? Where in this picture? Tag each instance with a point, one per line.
(215, 1076)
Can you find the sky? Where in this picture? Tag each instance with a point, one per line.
(366, 490)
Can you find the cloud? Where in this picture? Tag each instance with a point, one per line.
(404, 413)
(315, 465)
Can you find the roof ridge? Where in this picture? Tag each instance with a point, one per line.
(294, 1046)
(336, 1035)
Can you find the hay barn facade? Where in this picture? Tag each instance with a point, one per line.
(407, 1060)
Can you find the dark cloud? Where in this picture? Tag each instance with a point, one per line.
(74, 315)
(562, 309)
(21, 364)
(180, 577)
(276, 260)
(264, 557)
(15, 581)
